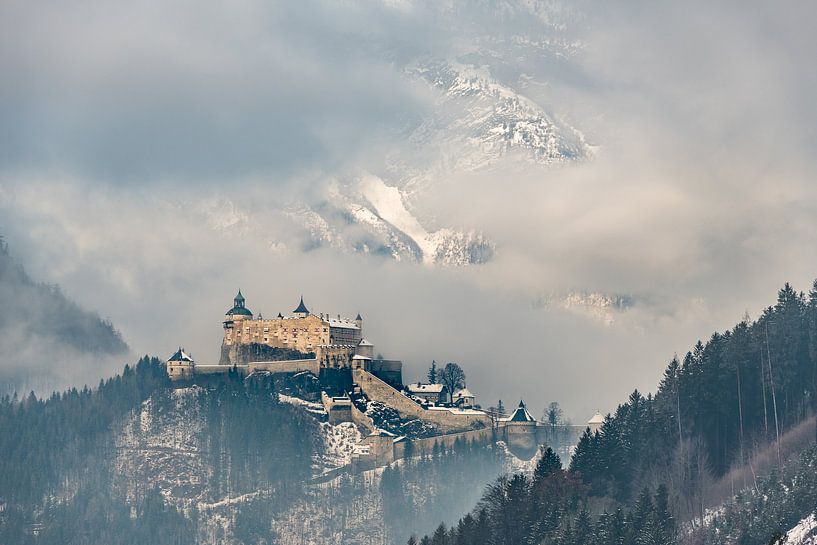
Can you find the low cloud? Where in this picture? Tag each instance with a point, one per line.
(150, 153)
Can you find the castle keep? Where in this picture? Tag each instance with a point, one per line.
(332, 341)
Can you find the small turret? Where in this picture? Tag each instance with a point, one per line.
(365, 349)
(301, 311)
(595, 422)
(359, 323)
(180, 365)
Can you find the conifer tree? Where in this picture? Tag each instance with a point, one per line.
(432, 373)
(548, 464)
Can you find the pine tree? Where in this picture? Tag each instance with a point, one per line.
(664, 528)
(548, 464)
(432, 373)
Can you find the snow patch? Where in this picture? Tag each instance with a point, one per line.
(805, 533)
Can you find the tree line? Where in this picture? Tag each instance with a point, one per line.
(552, 507)
(741, 389)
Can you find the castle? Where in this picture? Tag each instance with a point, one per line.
(301, 341)
(333, 340)
(333, 350)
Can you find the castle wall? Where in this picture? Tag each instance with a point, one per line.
(337, 412)
(480, 437)
(289, 366)
(521, 437)
(389, 371)
(360, 418)
(448, 421)
(302, 334)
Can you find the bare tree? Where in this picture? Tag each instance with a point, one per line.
(553, 414)
(453, 377)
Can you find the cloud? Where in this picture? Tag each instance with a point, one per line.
(150, 151)
(193, 92)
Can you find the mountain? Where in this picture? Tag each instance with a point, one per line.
(39, 323)
(485, 99)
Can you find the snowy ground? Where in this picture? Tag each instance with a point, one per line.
(339, 442)
(514, 464)
(805, 533)
(309, 406)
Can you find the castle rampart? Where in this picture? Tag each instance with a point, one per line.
(448, 420)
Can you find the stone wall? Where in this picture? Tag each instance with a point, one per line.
(337, 411)
(289, 366)
(480, 437)
(447, 421)
(362, 420)
(389, 371)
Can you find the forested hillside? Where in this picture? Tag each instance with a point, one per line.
(39, 322)
(653, 466)
(57, 459)
(742, 388)
(41, 311)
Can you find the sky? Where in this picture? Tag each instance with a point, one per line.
(151, 153)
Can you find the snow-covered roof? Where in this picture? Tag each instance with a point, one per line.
(381, 433)
(597, 418)
(521, 414)
(359, 357)
(364, 342)
(418, 388)
(457, 410)
(181, 355)
(342, 323)
(464, 392)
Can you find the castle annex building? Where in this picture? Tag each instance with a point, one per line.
(333, 341)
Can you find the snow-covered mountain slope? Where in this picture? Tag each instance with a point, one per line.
(602, 307)
(485, 101)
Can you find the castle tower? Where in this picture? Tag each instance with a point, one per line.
(301, 311)
(365, 349)
(180, 365)
(359, 323)
(595, 422)
(239, 310)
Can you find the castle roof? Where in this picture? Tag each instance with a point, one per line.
(521, 414)
(359, 357)
(418, 388)
(463, 392)
(243, 311)
(180, 355)
(238, 307)
(358, 317)
(364, 342)
(341, 323)
(301, 307)
(597, 418)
